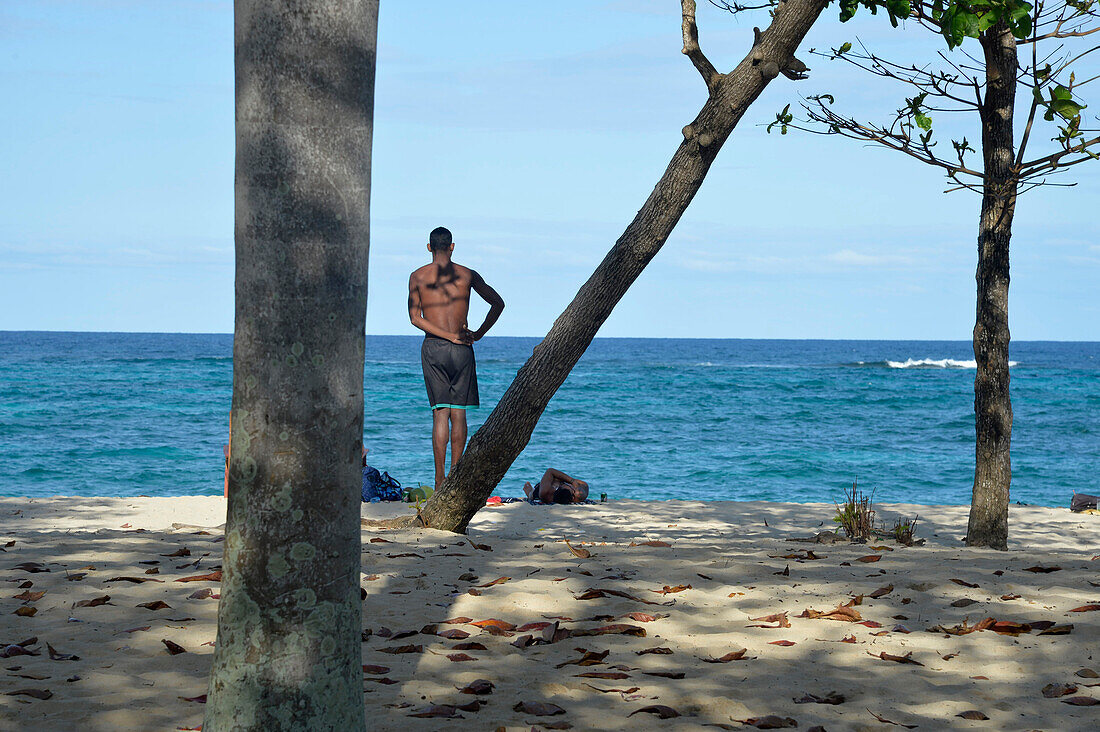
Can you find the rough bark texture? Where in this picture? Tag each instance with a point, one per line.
(288, 648)
(988, 525)
(507, 430)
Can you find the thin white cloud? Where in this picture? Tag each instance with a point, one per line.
(859, 259)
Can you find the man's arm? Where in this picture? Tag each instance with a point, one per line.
(416, 317)
(489, 295)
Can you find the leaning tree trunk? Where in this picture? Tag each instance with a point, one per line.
(288, 648)
(988, 524)
(507, 430)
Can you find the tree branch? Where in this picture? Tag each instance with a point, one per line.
(692, 50)
(1054, 161)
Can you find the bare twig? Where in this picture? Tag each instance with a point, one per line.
(691, 47)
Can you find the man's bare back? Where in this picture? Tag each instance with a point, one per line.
(442, 294)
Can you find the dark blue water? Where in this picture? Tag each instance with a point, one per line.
(147, 414)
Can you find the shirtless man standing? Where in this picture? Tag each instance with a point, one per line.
(439, 302)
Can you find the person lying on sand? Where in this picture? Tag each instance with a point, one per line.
(557, 487)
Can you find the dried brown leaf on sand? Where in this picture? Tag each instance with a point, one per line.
(578, 552)
(907, 658)
(26, 611)
(453, 634)
(667, 590)
(780, 620)
(497, 581)
(731, 656)
(613, 675)
(94, 602)
(660, 650)
(402, 649)
(881, 592)
(56, 656)
(1081, 701)
(471, 646)
(538, 709)
(783, 643)
(658, 710)
(494, 623)
(1058, 630)
(771, 721)
(31, 567)
(379, 670)
(1053, 691)
(654, 543)
(458, 657)
(1042, 570)
(884, 720)
(173, 648)
(665, 674)
(645, 617)
(480, 686)
(842, 613)
(29, 596)
(594, 593)
(1085, 609)
(613, 629)
(631, 690)
(869, 558)
(215, 576)
(972, 714)
(831, 698)
(456, 621)
(135, 580)
(964, 583)
(155, 605)
(34, 693)
(589, 658)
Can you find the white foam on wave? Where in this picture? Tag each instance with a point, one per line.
(942, 363)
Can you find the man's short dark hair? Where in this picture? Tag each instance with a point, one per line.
(563, 495)
(440, 239)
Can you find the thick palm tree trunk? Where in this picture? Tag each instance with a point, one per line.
(507, 430)
(288, 647)
(988, 524)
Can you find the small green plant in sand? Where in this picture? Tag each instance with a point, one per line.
(903, 531)
(855, 516)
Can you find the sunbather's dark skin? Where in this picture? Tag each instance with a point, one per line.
(551, 481)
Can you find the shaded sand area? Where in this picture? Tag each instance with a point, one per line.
(651, 623)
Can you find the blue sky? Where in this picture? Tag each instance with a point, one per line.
(534, 131)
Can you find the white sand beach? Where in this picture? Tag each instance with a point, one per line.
(693, 591)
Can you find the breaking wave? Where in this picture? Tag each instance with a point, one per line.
(932, 363)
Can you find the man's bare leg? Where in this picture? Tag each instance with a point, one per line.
(440, 437)
(458, 434)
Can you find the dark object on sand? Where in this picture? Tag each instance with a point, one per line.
(379, 485)
(1083, 502)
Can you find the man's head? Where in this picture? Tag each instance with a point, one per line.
(439, 240)
(564, 495)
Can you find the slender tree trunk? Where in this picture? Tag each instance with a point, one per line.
(988, 524)
(507, 430)
(288, 648)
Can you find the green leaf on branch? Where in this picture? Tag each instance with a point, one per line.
(923, 121)
(782, 119)
(844, 48)
(1061, 104)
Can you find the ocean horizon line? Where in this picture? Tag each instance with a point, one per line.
(599, 337)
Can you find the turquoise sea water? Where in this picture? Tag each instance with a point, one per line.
(146, 414)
